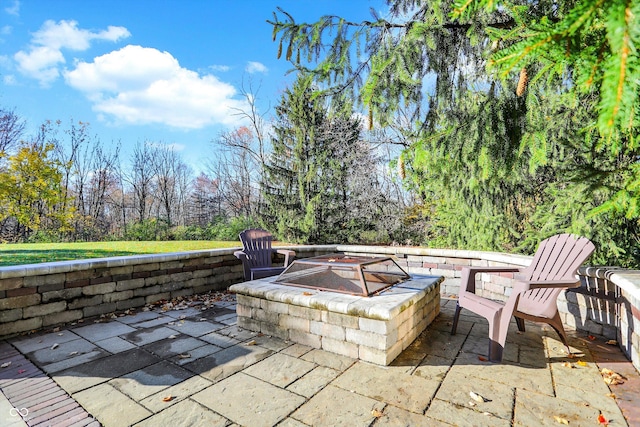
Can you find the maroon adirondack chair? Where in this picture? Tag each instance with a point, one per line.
(256, 255)
(535, 290)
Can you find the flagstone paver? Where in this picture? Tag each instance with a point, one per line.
(338, 407)
(185, 413)
(263, 404)
(197, 367)
(110, 406)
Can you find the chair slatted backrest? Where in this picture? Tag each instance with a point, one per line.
(557, 258)
(256, 244)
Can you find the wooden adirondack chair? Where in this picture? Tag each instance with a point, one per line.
(257, 252)
(535, 291)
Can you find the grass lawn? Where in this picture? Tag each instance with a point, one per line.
(31, 253)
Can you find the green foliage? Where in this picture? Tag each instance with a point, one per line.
(503, 167)
(228, 229)
(312, 189)
(30, 190)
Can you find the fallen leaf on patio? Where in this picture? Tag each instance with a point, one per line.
(22, 371)
(73, 353)
(172, 337)
(252, 342)
(591, 337)
(202, 319)
(184, 356)
(307, 294)
(581, 363)
(377, 413)
(568, 365)
(168, 398)
(612, 395)
(602, 420)
(486, 413)
(5, 365)
(472, 404)
(56, 345)
(612, 342)
(611, 377)
(561, 420)
(482, 358)
(571, 356)
(477, 397)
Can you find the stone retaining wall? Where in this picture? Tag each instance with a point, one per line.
(42, 295)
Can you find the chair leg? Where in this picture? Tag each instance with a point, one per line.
(556, 324)
(495, 351)
(456, 315)
(520, 323)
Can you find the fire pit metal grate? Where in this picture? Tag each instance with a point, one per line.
(355, 275)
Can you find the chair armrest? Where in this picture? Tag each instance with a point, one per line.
(240, 255)
(468, 282)
(567, 283)
(475, 270)
(289, 255)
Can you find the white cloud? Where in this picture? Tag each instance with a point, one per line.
(255, 67)
(14, 9)
(44, 56)
(224, 68)
(139, 85)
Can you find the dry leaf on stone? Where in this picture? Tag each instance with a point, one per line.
(472, 404)
(612, 377)
(73, 353)
(477, 397)
(56, 345)
(602, 420)
(5, 365)
(377, 413)
(581, 363)
(168, 398)
(561, 420)
(568, 365)
(307, 294)
(172, 337)
(612, 342)
(612, 395)
(571, 356)
(252, 342)
(482, 358)
(591, 337)
(184, 356)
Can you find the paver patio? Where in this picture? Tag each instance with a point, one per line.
(196, 367)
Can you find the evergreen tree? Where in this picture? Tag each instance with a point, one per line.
(501, 156)
(308, 191)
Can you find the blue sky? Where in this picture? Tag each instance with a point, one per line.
(167, 71)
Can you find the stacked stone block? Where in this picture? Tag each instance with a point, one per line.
(364, 328)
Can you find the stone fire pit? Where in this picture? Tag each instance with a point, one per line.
(375, 329)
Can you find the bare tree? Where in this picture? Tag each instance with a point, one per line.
(141, 178)
(11, 129)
